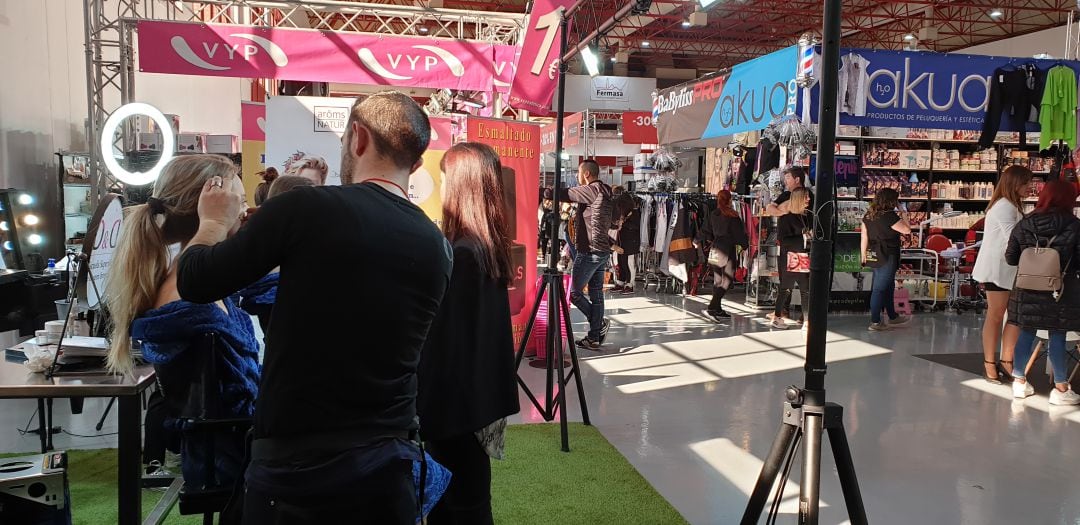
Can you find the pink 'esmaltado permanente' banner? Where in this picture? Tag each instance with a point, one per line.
(538, 65)
(316, 56)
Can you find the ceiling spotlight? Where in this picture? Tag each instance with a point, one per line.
(25, 199)
(996, 13)
(909, 37)
(8, 246)
(3, 226)
(686, 23)
(422, 29)
(645, 43)
(34, 238)
(707, 3)
(592, 62)
(30, 219)
(614, 59)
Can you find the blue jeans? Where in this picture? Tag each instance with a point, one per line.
(589, 270)
(1025, 345)
(883, 290)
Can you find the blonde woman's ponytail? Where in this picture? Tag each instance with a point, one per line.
(138, 269)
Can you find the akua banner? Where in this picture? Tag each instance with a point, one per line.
(745, 98)
(921, 89)
(322, 56)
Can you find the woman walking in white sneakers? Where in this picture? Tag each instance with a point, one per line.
(1032, 306)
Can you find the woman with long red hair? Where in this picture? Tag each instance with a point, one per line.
(467, 384)
(725, 231)
(1051, 225)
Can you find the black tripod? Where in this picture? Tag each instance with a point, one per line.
(558, 310)
(806, 414)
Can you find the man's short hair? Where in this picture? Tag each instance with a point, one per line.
(797, 172)
(398, 127)
(592, 167)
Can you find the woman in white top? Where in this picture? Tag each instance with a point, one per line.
(997, 276)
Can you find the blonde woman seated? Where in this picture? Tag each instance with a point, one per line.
(146, 307)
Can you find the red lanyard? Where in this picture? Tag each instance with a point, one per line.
(392, 183)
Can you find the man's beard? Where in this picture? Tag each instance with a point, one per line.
(346, 167)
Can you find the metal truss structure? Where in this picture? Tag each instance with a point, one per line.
(743, 29)
(110, 31)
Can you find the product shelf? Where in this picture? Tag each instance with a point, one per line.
(947, 170)
(895, 168)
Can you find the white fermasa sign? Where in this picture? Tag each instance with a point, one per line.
(610, 89)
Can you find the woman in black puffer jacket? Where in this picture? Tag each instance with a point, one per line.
(1051, 224)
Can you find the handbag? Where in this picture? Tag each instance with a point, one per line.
(717, 257)
(798, 262)
(873, 256)
(1040, 269)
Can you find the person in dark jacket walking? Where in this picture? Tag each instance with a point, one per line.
(1053, 225)
(627, 241)
(466, 376)
(724, 230)
(593, 219)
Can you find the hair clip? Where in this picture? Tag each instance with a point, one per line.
(157, 206)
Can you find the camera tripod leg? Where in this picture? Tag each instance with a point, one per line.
(810, 491)
(576, 371)
(769, 470)
(532, 323)
(845, 467)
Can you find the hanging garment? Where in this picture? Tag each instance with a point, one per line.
(1016, 93)
(672, 215)
(854, 81)
(1058, 115)
(647, 213)
(681, 251)
(660, 239)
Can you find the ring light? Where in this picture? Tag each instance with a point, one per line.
(168, 145)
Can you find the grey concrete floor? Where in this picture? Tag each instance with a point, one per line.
(694, 406)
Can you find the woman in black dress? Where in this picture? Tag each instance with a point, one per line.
(791, 230)
(467, 384)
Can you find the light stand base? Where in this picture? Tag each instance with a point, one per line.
(559, 370)
(806, 423)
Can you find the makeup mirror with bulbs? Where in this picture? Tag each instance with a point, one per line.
(21, 233)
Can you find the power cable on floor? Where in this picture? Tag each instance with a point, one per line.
(26, 430)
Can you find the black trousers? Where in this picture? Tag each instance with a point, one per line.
(156, 437)
(468, 499)
(788, 281)
(623, 263)
(386, 497)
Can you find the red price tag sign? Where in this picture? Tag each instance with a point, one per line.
(638, 128)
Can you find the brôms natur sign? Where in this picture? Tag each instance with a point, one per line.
(745, 98)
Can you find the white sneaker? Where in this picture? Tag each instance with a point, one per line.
(1067, 397)
(779, 323)
(1023, 389)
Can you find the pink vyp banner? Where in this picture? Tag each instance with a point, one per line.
(315, 56)
(538, 65)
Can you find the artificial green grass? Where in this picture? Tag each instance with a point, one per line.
(536, 483)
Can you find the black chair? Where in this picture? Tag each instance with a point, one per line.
(191, 388)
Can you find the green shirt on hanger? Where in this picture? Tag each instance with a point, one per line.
(1057, 116)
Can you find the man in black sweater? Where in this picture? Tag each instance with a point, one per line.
(363, 272)
(594, 218)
